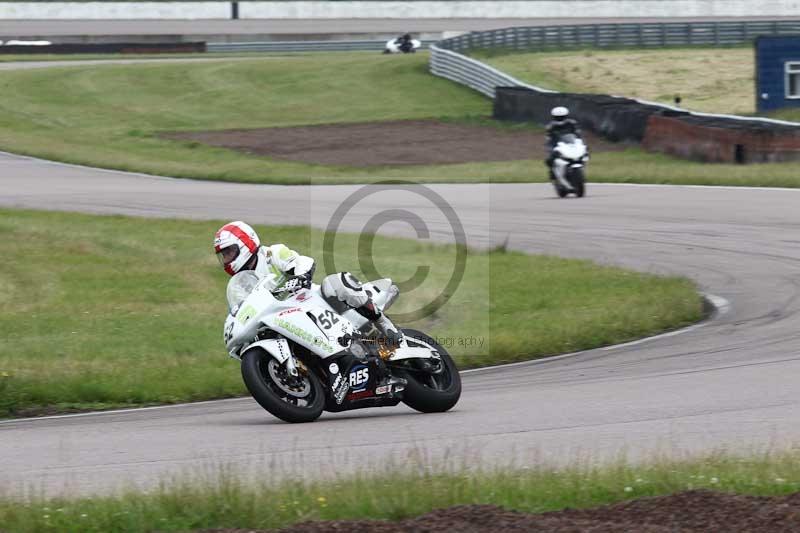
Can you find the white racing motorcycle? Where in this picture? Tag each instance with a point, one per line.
(393, 46)
(570, 159)
(301, 354)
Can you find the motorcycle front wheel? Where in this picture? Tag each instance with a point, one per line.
(560, 190)
(426, 391)
(292, 399)
(578, 181)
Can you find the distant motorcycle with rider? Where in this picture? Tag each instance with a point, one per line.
(405, 44)
(567, 154)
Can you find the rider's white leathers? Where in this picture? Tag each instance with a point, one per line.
(277, 260)
(346, 288)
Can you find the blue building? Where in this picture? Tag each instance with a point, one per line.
(777, 72)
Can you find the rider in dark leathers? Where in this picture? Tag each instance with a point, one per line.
(404, 43)
(560, 124)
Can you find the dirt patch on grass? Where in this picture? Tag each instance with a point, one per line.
(687, 512)
(404, 142)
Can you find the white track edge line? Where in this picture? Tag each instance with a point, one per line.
(689, 186)
(117, 411)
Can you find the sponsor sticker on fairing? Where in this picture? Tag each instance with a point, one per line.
(315, 340)
(333, 368)
(301, 296)
(359, 377)
(339, 388)
(385, 389)
(359, 395)
(246, 314)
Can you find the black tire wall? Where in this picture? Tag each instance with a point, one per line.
(615, 118)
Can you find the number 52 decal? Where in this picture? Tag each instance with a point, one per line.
(327, 319)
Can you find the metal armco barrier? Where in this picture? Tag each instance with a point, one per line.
(659, 127)
(472, 73)
(447, 62)
(657, 34)
(299, 46)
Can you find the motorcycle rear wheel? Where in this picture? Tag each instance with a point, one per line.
(290, 399)
(431, 393)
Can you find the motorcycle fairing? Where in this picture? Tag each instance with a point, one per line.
(304, 328)
(568, 155)
(361, 379)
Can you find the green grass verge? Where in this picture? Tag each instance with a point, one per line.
(225, 502)
(792, 115)
(114, 311)
(110, 116)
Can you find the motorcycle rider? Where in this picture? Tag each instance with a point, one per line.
(404, 43)
(238, 248)
(560, 124)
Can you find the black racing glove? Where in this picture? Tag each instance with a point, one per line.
(305, 279)
(292, 285)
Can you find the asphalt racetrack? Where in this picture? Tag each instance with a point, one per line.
(730, 383)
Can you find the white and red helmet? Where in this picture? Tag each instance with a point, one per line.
(235, 243)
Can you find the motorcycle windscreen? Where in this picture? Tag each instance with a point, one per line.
(239, 288)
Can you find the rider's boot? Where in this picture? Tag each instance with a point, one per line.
(388, 384)
(391, 337)
(390, 333)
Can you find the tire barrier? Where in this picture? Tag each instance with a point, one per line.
(707, 138)
(615, 118)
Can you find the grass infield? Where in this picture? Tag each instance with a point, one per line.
(712, 80)
(223, 501)
(99, 311)
(707, 79)
(110, 116)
